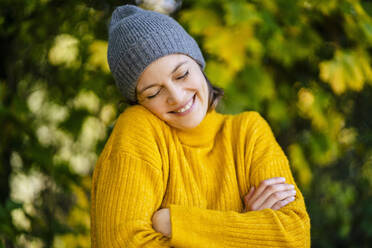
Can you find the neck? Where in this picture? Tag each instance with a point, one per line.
(204, 133)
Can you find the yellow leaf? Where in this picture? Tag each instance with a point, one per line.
(98, 55)
(219, 73)
(310, 108)
(300, 165)
(347, 70)
(200, 20)
(227, 44)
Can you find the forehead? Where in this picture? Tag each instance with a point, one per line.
(166, 63)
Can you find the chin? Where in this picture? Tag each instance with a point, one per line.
(187, 124)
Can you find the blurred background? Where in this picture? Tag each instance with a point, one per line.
(304, 65)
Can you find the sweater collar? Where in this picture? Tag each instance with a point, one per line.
(204, 133)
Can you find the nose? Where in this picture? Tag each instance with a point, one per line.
(176, 94)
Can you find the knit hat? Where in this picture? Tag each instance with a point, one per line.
(138, 37)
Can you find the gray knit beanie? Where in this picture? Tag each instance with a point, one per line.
(138, 37)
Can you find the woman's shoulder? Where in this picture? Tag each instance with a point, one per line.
(137, 121)
(136, 116)
(136, 131)
(247, 118)
(250, 122)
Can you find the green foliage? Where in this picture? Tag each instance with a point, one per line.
(304, 65)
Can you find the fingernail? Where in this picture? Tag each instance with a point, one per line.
(291, 198)
(291, 186)
(282, 178)
(293, 191)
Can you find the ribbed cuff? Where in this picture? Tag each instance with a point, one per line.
(190, 227)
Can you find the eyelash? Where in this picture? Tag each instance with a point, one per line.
(182, 77)
(185, 75)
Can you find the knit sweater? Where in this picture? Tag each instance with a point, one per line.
(201, 175)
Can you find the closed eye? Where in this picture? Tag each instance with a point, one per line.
(184, 76)
(149, 97)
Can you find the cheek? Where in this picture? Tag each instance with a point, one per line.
(157, 107)
(198, 82)
(204, 89)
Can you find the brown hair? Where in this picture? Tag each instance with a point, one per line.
(215, 95)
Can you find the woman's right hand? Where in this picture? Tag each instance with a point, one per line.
(271, 193)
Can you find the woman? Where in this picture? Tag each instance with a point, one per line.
(176, 173)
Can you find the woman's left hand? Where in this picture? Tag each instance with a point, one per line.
(161, 222)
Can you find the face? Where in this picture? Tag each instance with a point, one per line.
(174, 88)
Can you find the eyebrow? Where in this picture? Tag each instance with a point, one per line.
(175, 69)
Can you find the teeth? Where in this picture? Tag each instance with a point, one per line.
(185, 108)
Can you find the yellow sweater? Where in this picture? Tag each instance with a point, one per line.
(201, 175)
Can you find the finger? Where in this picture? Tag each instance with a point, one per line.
(282, 203)
(264, 184)
(273, 189)
(249, 195)
(276, 197)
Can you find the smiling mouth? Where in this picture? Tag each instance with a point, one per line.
(186, 107)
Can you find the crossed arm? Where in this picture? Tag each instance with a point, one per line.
(272, 193)
(274, 214)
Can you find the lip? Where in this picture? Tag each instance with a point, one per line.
(189, 110)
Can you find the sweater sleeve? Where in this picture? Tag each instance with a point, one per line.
(127, 192)
(128, 184)
(286, 227)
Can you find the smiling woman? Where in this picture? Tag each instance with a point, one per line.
(175, 172)
(181, 96)
(183, 90)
